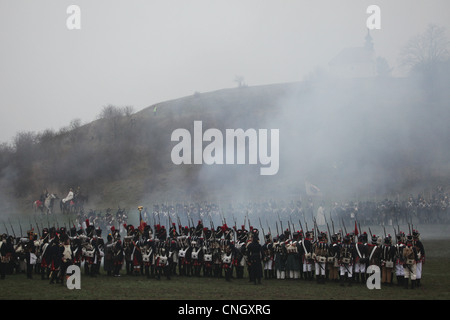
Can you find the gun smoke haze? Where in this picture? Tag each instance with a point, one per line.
(356, 138)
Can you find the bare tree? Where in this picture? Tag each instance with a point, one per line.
(425, 51)
(240, 81)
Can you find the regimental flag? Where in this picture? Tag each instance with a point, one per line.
(141, 222)
(312, 190)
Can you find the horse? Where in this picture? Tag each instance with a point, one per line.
(38, 205)
(73, 206)
(47, 204)
(66, 206)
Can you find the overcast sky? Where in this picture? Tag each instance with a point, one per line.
(140, 52)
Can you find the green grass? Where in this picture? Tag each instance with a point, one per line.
(435, 286)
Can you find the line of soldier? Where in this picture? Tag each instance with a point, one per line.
(221, 252)
(349, 258)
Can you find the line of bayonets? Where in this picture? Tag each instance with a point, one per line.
(316, 231)
(54, 223)
(291, 225)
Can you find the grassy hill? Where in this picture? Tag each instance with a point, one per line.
(352, 138)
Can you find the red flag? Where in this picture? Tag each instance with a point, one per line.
(356, 229)
(141, 223)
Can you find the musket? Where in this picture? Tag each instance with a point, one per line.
(281, 223)
(249, 224)
(6, 228)
(20, 227)
(316, 226)
(394, 233)
(384, 228)
(264, 235)
(290, 231)
(12, 228)
(154, 218)
(270, 232)
(370, 231)
(329, 233)
(276, 224)
(301, 227)
(293, 227)
(343, 224)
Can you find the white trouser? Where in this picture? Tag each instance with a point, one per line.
(320, 268)
(399, 270)
(346, 269)
(419, 270)
(360, 267)
(268, 265)
(410, 271)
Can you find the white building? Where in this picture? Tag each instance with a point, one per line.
(355, 62)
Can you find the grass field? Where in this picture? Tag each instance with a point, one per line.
(435, 286)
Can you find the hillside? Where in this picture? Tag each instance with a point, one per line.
(353, 138)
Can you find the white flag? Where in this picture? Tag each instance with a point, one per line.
(312, 190)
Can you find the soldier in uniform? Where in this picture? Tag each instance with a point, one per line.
(67, 259)
(387, 261)
(148, 258)
(30, 251)
(118, 255)
(6, 252)
(207, 257)
(173, 255)
(90, 250)
(333, 262)
(268, 258)
(410, 262)
(399, 259)
(161, 262)
(361, 258)
(128, 248)
(255, 256)
(374, 251)
(76, 246)
(100, 250)
(217, 258)
(293, 256)
(421, 256)
(196, 256)
(227, 262)
(306, 252)
(108, 259)
(346, 260)
(55, 252)
(280, 257)
(136, 255)
(184, 256)
(320, 254)
(240, 258)
(44, 254)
